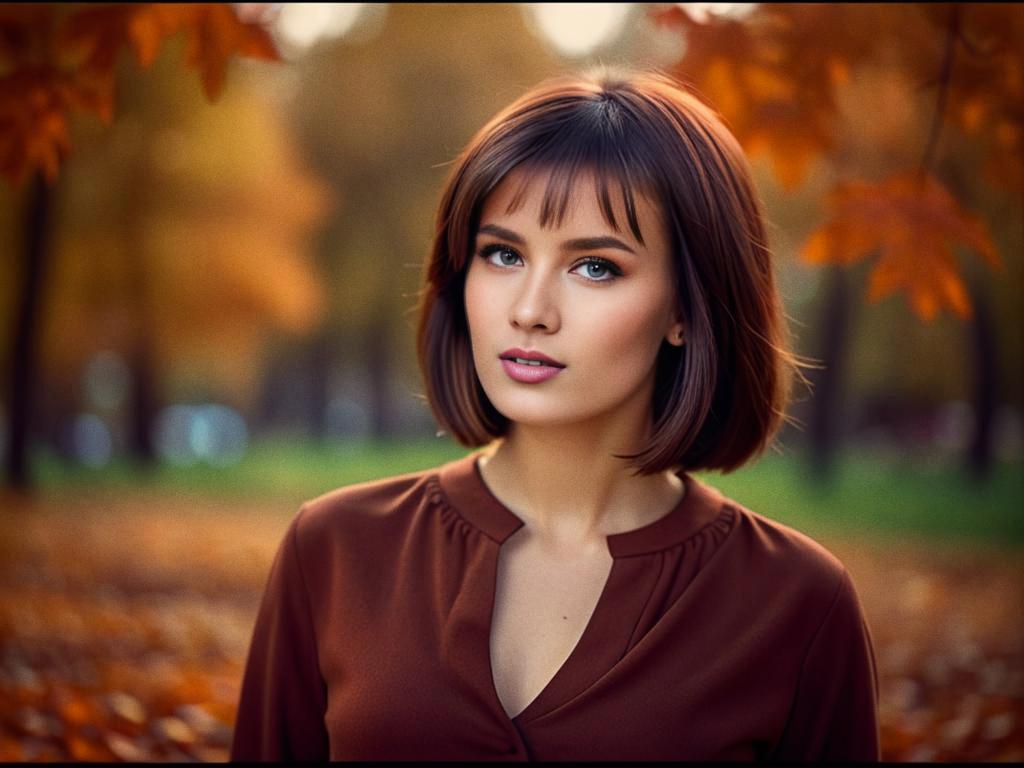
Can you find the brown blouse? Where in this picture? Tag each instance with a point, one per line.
(720, 634)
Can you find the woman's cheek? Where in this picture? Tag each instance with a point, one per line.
(482, 311)
(472, 297)
(626, 326)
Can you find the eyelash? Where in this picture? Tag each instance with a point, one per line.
(613, 270)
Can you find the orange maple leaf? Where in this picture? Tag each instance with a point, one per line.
(33, 124)
(101, 33)
(214, 33)
(96, 36)
(913, 223)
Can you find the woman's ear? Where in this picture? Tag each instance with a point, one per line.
(676, 335)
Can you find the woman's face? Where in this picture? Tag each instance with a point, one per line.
(596, 301)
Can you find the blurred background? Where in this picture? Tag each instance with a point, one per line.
(214, 220)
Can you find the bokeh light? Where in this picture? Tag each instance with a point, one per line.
(302, 25)
(218, 434)
(211, 433)
(703, 12)
(576, 29)
(92, 441)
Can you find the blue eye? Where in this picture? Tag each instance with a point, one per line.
(504, 253)
(600, 270)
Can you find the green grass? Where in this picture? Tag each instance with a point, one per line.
(271, 468)
(885, 497)
(869, 493)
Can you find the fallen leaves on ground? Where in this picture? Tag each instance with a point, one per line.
(125, 621)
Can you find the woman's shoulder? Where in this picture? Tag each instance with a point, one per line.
(372, 503)
(772, 557)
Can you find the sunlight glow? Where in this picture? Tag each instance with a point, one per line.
(301, 25)
(575, 29)
(702, 13)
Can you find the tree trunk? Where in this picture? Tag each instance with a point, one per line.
(979, 458)
(269, 412)
(378, 365)
(27, 324)
(826, 403)
(144, 402)
(321, 360)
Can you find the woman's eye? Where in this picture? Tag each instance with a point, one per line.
(599, 270)
(506, 256)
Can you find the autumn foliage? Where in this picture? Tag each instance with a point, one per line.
(776, 76)
(899, 220)
(58, 60)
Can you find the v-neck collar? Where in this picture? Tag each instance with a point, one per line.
(464, 486)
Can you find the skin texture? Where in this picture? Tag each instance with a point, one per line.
(555, 466)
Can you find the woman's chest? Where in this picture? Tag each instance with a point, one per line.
(542, 604)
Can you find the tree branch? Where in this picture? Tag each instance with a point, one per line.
(945, 79)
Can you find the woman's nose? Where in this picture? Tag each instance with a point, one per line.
(536, 304)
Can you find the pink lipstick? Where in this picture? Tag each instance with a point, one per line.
(529, 374)
(529, 367)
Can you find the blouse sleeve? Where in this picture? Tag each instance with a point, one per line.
(834, 715)
(283, 696)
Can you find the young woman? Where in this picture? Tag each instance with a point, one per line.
(598, 320)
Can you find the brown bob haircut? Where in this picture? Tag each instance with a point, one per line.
(721, 396)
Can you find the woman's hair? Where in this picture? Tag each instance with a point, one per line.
(721, 396)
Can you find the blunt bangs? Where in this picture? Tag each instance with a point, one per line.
(588, 137)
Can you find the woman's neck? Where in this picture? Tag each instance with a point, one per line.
(566, 484)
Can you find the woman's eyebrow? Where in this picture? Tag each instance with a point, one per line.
(504, 234)
(579, 244)
(594, 243)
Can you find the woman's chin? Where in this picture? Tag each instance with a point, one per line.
(549, 414)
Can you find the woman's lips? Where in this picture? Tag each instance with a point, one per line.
(529, 374)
